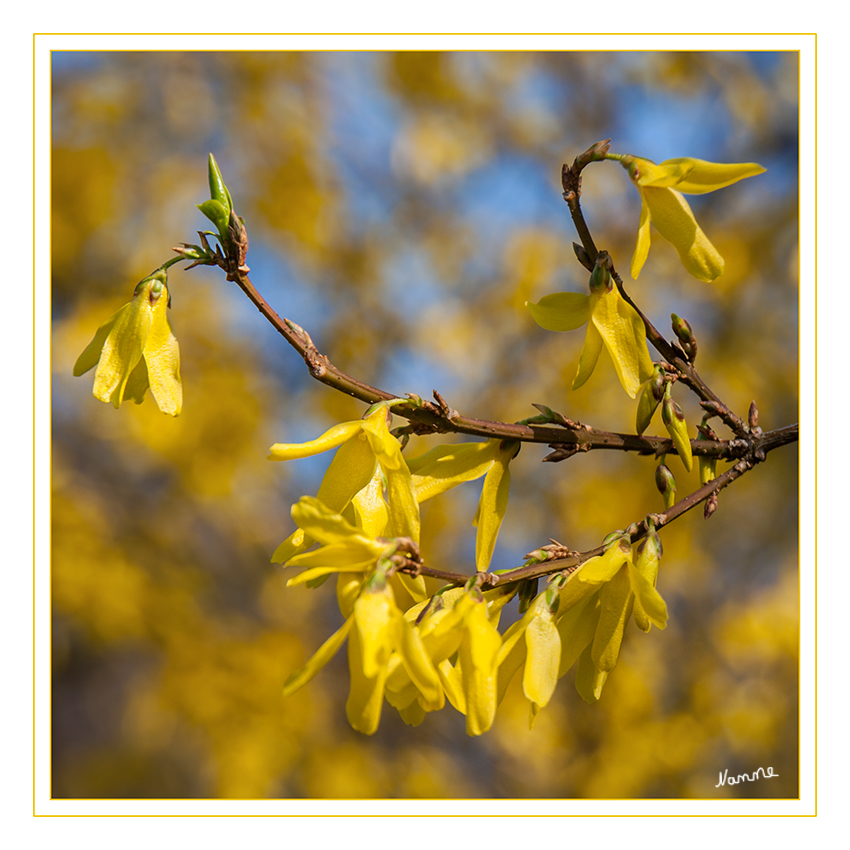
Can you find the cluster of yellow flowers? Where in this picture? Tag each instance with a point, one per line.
(417, 648)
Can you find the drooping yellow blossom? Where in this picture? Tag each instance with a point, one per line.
(364, 445)
(471, 683)
(136, 349)
(444, 467)
(380, 641)
(598, 600)
(611, 322)
(533, 643)
(661, 187)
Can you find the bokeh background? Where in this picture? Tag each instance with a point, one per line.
(402, 207)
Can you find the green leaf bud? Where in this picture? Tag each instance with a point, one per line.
(191, 252)
(218, 214)
(218, 189)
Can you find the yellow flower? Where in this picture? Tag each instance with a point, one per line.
(380, 642)
(445, 467)
(539, 654)
(597, 601)
(469, 629)
(136, 349)
(611, 321)
(364, 446)
(661, 187)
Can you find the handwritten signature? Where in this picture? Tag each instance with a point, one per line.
(745, 777)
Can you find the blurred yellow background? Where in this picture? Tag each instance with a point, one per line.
(402, 207)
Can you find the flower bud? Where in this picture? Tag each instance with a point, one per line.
(650, 398)
(707, 469)
(674, 422)
(600, 277)
(685, 335)
(666, 484)
(681, 328)
(612, 538)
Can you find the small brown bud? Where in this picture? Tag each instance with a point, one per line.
(753, 416)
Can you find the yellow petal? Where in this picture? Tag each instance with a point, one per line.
(349, 472)
(418, 665)
(372, 617)
(295, 543)
(332, 438)
(370, 509)
(624, 336)
(591, 576)
(643, 240)
(324, 654)
(479, 649)
(492, 507)
(589, 679)
(514, 635)
(696, 176)
(616, 599)
(91, 354)
(138, 383)
(543, 643)
(445, 467)
(561, 311)
(576, 629)
(589, 355)
(450, 679)
(347, 590)
(415, 586)
(366, 694)
(413, 715)
(402, 504)
(328, 527)
(386, 447)
(162, 356)
(122, 350)
(317, 572)
(674, 220)
(649, 598)
(510, 659)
